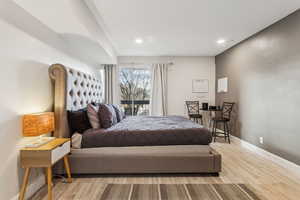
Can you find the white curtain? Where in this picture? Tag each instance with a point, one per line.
(111, 83)
(158, 103)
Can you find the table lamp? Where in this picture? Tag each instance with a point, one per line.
(37, 124)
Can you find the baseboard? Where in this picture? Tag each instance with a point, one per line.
(270, 156)
(33, 187)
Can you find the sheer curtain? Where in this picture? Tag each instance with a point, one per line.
(111, 83)
(158, 103)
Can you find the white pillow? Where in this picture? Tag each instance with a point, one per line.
(76, 141)
(92, 112)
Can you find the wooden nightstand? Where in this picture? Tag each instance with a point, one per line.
(45, 156)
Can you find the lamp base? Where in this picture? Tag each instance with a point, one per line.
(39, 142)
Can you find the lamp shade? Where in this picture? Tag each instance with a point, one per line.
(38, 123)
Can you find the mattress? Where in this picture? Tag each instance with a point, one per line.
(148, 131)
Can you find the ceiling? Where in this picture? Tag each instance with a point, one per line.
(69, 20)
(181, 28)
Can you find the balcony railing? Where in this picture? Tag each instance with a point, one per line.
(135, 107)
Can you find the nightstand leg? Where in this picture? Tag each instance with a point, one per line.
(25, 182)
(67, 167)
(46, 172)
(49, 180)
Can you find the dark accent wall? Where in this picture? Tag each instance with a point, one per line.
(264, 81)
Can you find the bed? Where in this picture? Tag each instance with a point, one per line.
(136, 145)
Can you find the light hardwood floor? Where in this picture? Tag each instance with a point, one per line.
(240, 165)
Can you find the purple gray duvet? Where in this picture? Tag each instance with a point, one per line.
(148, 131)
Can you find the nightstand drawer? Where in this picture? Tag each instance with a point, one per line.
(60, 152)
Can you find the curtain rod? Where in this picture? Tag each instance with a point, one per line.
(144, 63)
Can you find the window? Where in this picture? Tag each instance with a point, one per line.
(135, 87)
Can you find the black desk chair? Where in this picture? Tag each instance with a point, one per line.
(224, 119)
(193, 108)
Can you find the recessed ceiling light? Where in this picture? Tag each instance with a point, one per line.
(139, 40)
(221, 41)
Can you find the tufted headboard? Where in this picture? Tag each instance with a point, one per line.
(73, 90)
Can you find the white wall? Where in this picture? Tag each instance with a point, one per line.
(180, 76)
(25, 88)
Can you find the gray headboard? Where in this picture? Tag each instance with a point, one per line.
(73, 90)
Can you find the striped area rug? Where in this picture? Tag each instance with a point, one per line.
(178, 192)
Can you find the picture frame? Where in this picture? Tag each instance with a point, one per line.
(223, 85)
(200, 86)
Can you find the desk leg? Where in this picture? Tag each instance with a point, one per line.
(67, 167)
(25, 183)
(210, 116)
(49, 180)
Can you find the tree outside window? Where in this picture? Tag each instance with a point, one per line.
(135, 86)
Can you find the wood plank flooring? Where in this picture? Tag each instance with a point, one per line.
(240, 166)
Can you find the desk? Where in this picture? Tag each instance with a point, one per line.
(208, 114)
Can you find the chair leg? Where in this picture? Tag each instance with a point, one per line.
(202, 121)
(225, 131)
(228, 132)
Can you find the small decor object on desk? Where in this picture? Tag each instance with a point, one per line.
(38, 124)
(204, 106)
(212, 107)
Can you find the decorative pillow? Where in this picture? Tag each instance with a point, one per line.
(118, 112)
(76, 141)
(92, 112)
(78, 121)
(95, 104)
(107, 115)
(114, 114)
(123, 116)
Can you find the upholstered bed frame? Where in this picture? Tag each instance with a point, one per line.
(73, 90)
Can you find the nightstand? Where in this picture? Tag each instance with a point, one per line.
(45, 156)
